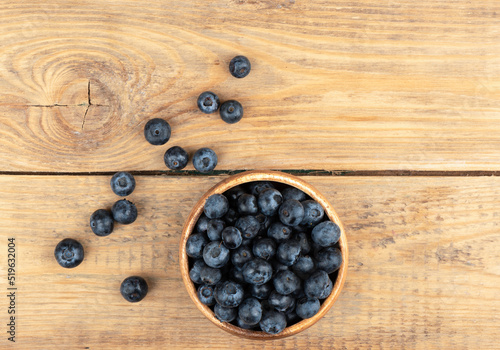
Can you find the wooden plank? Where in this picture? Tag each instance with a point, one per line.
(361, 85)
(423, 270)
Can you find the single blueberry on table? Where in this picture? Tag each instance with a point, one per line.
(279, 232)
(239, 67)
(225, 314)
(291, 212)
(269, 201)
(264, 248)
(214, 229)
(194, 272)
(122, 183)
(176, 158)
(281, 302)
(231, 237)
(307, 307)
(247, 204)
(286, 282)
(250, 311)
(69, 253)
(326, 233)
(157, 131)
(208, 102)
(134, 288)
(248, 225)
(257, 271)
(241, 256)
(124, 212)
(195, 244)
(205, 160)
(231, 111)
(313, 213)
(206, 294)
(273, 322)
(216, 206)
(229, 294)
(329, 259)
(288, 252)
(215, 254)
(293, 193)
(101, 222)
(318, 285)
(261, 291)
(304, 267)
(209, 275)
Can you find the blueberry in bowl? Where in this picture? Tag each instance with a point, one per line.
(263, 255)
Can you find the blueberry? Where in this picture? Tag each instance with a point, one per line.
(286, 282)
(307, 307)
(261, 291)
(318, 285)
(216, 206)
(208, 102)
(202, 223)
(122, 183)
(250, 311)
(233, 193)
(225, 314)
(269, 201)
(291, 212)
(291, 317)
(273, 322)
(231, 216)
(205, 160)
(313, 213)
(256, 187)
(239, 322)
(264, 221)
(281, 302)
(277, 267)
(215, 254)
(304, 267)
(229, 294)
(195, 244)
(194, 272)
(124, 212)
(288, 252)
(236, 274)
(69, 253)
(231, 237)
(329, 259)
(206, 294)
(279, 232)
(264, 248)
(326, 233)
(241, 256)
(231, 111)
(209, 275)
(101, 222)
(239, 67)
(257, 271)
(214, 229)
(293, 193)
(176, 158)
(248, 225)
(305, 244)
(134, 288)
(247, 204)
(157, 131)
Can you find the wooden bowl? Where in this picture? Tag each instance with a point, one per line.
(274, 176)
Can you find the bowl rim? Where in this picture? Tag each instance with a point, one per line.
(251, 176)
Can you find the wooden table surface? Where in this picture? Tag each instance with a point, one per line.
(390, 108)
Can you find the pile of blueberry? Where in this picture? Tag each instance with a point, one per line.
(263, 256)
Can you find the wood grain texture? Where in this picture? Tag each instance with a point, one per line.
(423, 267)
(335, 85)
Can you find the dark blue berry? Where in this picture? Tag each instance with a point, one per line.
(233, 193)
(134, 288)
(205, 160)
(239, 67)
(157, 131)
(236, 274)
(318, 285)
(260, 291)
(208, 102)
(304, 267)
(231, 111)
(194, 272)
(229, 294)
(69, 253)
(195, 244)
(239, 322)
(241, 256)
(250, 311)
(225, 314)
(256, 187)
(291, 212)
(101, 222)
(216, 206)
(269, 201)
(303, 239)
(293, 193)
(277, 267)
(326, 233)
(279, 232)
(288, 252)
(231, 216)
(124, 212)
(313, 213)
(264, 248)
(257, 271)
(214, 229)
(176, 158)
(215, 254)
(329, 259)
(281, 302)
(307, 307)
(209, 275)
(247, 204)
(202, 223)
(291, 317)
(248, 225)
(273, 322)
(122, 183)
(264, 221)
(286, 282)
(206, 294)
(232, 237)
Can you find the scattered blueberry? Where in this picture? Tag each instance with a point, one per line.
(206, 294)
(176, 158)
(101, 222)
(326, 233)
(247, 204)
(318, 285)
(231, 111)
(157, 131)
(269, 201)
(134, 288)
(216, 206)
(208, 102)
(239, 67)
(307, 307)
(69, 253)
(122, 183)
(124, 211)
(232, 237)
(225, 314)
(257, 271)
(229, 294)
(273, 322)
(214, 229)
(264, 248)
(329, 259)
(291, 212)
(250, 311)
(313, 213)
(215, 254)
(195, 244)
(205, 160)
(286, 282)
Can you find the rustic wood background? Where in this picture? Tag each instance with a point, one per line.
(378, 91)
